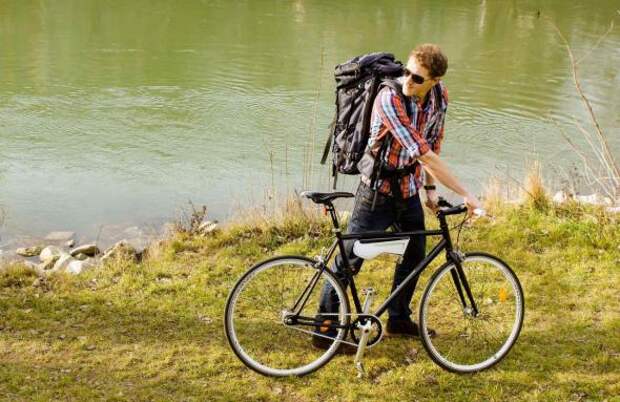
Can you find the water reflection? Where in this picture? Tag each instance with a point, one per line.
(115, 112)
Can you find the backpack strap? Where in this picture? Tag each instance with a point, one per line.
(328, 143)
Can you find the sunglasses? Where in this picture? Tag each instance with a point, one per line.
(418, 79)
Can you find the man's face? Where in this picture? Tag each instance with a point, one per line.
(410, 87)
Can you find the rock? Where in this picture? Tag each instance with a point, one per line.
(60, 236)
(70, 243)
(560, 197)
(81, 256)
(207, 227)
(49, 252)
(48, 264)
(120, 250)
(77, 267)
(87, 249)
(594, 199)
(614, 210)
(63, 262)
(29, 251)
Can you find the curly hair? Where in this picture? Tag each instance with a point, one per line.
(432, 58)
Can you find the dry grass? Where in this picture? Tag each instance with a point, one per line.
(152, 330)
(534, 191)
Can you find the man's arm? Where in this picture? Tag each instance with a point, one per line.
(439, 170)
(394, 117)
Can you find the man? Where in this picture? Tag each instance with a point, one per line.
(406, 143)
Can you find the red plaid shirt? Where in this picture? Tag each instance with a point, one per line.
(409, 136)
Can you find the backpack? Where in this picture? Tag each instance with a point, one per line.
(357, 84)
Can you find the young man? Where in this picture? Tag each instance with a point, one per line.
(412, 126)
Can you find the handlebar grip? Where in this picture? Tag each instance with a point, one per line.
(459, 209)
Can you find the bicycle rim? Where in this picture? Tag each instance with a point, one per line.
(465, 343)
(254, 317)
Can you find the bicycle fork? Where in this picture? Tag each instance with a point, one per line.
(365, 333)
(460, 282)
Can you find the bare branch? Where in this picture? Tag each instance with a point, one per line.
(614, 170)
(598, 152)
(585, 160)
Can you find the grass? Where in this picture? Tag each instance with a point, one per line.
(153, 330)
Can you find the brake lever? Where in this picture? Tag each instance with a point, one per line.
(442, 202)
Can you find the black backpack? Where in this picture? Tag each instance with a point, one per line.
(357, 83)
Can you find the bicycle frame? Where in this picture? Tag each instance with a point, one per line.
(458, 276)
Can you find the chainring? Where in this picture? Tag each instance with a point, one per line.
(376, 332)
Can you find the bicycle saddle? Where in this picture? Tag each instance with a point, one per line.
(324, 198)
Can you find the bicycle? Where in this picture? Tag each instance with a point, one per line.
(474, 301)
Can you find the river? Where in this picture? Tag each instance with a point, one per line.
(118, 113)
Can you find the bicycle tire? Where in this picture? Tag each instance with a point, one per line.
(257, 360)
(459, 329)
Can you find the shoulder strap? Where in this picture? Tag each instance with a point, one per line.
(396, 86)
(328, 143)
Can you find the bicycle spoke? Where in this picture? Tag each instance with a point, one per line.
(467, 342)
(255, 316)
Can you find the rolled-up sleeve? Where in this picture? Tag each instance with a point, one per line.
(394, 116)
(437, 144)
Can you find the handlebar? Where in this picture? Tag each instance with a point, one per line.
(458, 209)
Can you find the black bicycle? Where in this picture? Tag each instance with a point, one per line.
(474, 302)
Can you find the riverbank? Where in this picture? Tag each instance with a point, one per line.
(153, 329)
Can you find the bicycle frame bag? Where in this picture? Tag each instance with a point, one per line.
(357, 84)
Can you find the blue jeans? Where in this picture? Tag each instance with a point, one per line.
(408, 215)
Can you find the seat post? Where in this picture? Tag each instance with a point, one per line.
(332, 212)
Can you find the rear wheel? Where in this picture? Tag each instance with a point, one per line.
(467, 342)
(259, 308)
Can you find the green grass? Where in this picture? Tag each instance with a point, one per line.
(153, 331)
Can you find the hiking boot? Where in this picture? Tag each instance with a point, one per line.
(405, 328)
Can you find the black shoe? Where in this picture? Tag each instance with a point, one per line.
(406, 328)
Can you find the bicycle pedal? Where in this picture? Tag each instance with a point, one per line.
(368, 291)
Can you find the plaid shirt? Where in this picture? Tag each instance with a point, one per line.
(411, 137)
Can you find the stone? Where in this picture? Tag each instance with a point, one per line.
(76, 267)
(70, 243)
(560, 197)
(120, 250)
(594, 199)
(207, 227)
(29, 251)
(60, 236)
(90, 250)
(63, 261)
(49, 263)
(614, 210)
(49, 252)
(81, 256)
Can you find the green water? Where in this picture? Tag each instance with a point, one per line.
(119, 112)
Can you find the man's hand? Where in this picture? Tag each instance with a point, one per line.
(471, 202)
(432, 200)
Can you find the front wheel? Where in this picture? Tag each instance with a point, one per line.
(468, 341)
(269, 316)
